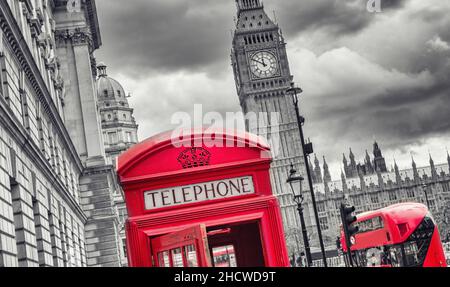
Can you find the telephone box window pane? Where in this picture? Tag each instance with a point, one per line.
(177, 258)
(163, 258)
(224, 256)
(191, 255)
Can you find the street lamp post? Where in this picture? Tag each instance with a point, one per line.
(298, 198)
(307, 150)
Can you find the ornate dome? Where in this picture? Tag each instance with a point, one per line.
(108, 89)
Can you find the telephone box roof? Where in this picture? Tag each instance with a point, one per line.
(141, 150)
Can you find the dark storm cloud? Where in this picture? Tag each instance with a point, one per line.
(397, 117)
(408, 114)
(401, 115)
(391, 4)
(335, 17)
(339, 17)
(408, 119)
(194, 35)
(161, 35)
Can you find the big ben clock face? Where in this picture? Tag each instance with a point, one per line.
(263, 64)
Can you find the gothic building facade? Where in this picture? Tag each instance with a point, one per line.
(262, 76)
(353, 169)
(56, 186)
(429, 185)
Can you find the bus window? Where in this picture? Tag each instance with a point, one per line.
(411, 252)
(373, 256)
(395, 256)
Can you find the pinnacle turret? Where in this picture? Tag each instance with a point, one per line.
(317, 170)
(448, 161)
(397, 172)
(326, 171)
(434, 173)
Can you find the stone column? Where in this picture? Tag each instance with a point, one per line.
(80, 100)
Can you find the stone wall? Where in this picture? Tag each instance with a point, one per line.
(37, 227)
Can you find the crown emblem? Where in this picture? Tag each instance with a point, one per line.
(194, 157)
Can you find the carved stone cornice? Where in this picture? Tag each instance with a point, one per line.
(93, 66)
(36, 27)
(59, 83)
(76, 37)
(27, 13)
(40, 15)
(50, 64)
(28, 6)
(42, 40)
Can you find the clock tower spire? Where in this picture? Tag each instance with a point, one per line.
(262, 76)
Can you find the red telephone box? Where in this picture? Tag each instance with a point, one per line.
(204, 199)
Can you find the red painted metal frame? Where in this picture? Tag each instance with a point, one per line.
(191, 236)
(153, 165)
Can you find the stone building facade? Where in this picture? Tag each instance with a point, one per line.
(119, 133)
(56, 187)
(262, 76)
(380, 189)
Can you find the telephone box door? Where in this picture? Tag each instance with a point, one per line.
(186, 248)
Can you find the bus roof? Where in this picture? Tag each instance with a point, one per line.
(403, 212)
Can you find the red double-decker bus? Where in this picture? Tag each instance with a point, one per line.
(401, 235)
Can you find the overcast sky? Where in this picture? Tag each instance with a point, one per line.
(365, 76)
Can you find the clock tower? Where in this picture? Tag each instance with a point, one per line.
(262, 76)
